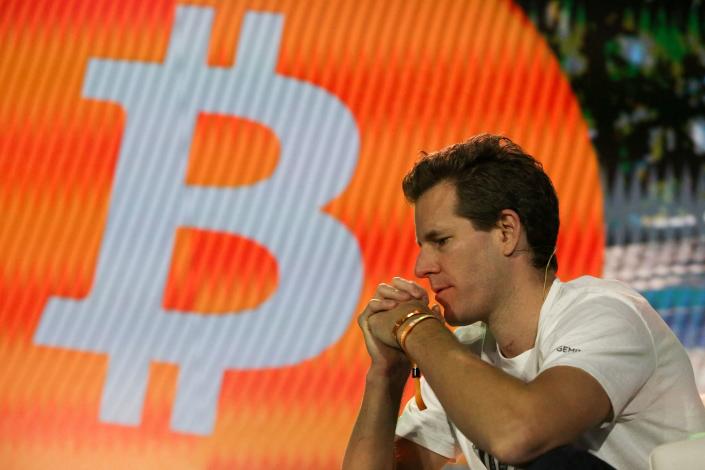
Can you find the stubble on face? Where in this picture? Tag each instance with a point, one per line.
(454, 256)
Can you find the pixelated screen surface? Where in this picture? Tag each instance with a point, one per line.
(197, 199)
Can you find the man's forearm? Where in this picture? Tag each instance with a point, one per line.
(485, 403)
(513, 420)
(371, 444)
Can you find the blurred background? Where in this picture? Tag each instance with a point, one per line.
(638, 71)
(198, 197)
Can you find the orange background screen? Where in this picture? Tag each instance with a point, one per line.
(414, 75)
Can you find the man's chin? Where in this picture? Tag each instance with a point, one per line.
(451, 318)
(454, 322)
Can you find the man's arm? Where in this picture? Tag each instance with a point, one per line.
(514, 421)
(373, 444)
(411, 456)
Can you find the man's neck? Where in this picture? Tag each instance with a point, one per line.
(514, 323)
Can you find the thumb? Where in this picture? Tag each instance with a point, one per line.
(436, 309)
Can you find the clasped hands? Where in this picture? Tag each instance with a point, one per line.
(390, 304)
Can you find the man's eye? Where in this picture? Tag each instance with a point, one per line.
(442, 241)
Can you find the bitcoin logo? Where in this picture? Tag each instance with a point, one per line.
(319, 260)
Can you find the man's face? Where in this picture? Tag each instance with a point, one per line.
(462, 263)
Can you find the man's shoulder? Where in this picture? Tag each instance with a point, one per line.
(591, 302)
(596, 285)
(587, 290)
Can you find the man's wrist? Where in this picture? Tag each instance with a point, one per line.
(424, 333)
(409, 324)
(391, 376)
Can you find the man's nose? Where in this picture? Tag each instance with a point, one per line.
(425, 264)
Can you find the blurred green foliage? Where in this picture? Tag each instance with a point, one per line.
(638, 70)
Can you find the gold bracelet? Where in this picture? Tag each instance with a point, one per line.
(410, 326)
(403, 319)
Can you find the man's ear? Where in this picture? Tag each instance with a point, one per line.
(510, 230)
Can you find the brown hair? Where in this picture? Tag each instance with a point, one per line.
(491, 173)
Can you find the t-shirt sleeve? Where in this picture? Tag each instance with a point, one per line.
(429, 428)
(608, 339)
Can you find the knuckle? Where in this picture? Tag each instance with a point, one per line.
(363, 321)
(381, 289)
(373, 306)
(400, 282)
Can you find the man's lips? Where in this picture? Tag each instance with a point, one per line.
(438, 290)
(439, 295)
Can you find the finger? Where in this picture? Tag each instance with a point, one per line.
(385, 291)
(411, 287)
(414, 289)
(374, 306)
(367, 321)
(436, 309)
(379, 305)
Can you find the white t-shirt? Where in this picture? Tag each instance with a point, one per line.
(611, 332)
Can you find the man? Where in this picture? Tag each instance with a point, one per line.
(541, 374)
